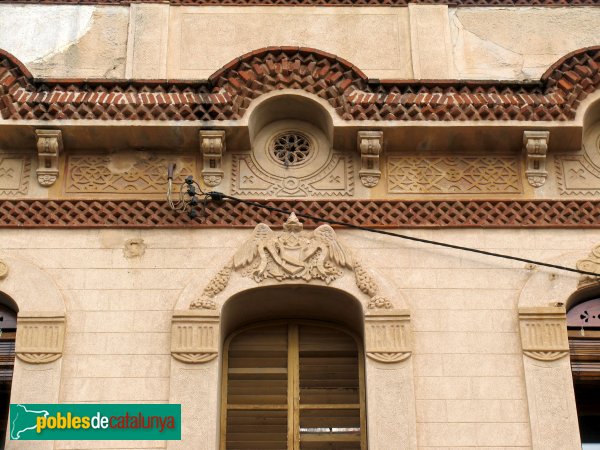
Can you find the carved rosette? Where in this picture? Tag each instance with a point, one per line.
(590, 264)
(388, 336)
(49, 146)
(195, 336)
(40, 338)
(544, 332)
(370, 144)
(535, 145)
(212, 146)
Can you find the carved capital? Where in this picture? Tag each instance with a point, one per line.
(212, 146)
(370, 144)
(49, 146)
(40, 338)
(195, 336)
(590, 264)
(388, 335)
(535, 147)
(544, 332)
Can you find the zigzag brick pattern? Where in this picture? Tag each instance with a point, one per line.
(376, 214)
(320, 2)
(229, 92)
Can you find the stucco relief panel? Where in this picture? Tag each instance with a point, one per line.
(126, 173)
(580, 174)
(14, 174)
(453, 175)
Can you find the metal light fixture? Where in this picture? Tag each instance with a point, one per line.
(190, 195)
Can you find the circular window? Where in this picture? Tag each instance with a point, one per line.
(291, 148)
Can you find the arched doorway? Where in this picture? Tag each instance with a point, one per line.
(8, 327)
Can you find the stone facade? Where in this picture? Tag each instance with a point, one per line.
(125, 297)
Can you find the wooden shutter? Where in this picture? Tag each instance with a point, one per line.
(293, 385)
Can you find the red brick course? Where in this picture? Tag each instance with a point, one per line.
(370, 213)
(228, 93)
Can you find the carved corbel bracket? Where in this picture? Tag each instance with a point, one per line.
(195, 336)
(49, 146)
(590, 264)
(544, 332)
(535, 145)
(388, 335)
(370, 144)
(212, 146)
(40, 338)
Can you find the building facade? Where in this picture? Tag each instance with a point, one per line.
(470, 123)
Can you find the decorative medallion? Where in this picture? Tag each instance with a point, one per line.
(292, 254)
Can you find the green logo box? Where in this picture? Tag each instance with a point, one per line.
(59, 422)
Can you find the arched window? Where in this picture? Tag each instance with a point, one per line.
(293, 385)
(8, 325)
(583, 321)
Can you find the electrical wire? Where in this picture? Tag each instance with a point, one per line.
(219, 196)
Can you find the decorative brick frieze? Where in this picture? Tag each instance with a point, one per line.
(229, 91)
(195, 336)
(369, 213)
(355, 3)
(40, 337)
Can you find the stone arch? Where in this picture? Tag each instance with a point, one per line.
(297, 260)
(41, 308)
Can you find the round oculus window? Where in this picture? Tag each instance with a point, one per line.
(291, 148)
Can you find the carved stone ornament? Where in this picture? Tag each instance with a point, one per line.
(535, 144)
(292, 254)
(387, 336)
(590, 264)
(49, 146)
(134, 248)
(3, 270)
(212, 146)
(370, 144)
(195, 336)
(544, 332)
(40, 338)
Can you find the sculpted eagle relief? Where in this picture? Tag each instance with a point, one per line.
(293, 254)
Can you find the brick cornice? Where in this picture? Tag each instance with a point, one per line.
(369, 213)
(228, 93)
(354, 3)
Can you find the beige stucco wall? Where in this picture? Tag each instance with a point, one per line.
(419, 41)
(469, 386)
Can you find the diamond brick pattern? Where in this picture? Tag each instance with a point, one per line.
(229, 92)
(320, 2)
(370, 213)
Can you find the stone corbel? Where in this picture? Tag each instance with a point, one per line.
(544, 332)
(370, 144)
(387, 335)
(590, 264)
(535, 145)
(49, 146)
(40, 338)
(195, 336)
(212, 146)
